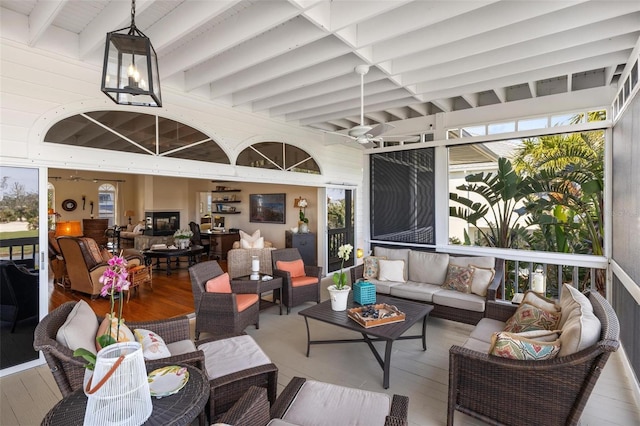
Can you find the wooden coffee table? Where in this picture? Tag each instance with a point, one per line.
(389, 332)
(190, 253)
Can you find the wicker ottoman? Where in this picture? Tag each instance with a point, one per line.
(233, 365)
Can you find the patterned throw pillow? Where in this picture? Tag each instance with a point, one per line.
(459, 278)
(528, 317)
(153, 346)
(371, 267)
(508, 345)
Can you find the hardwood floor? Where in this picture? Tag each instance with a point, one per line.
(423, 376)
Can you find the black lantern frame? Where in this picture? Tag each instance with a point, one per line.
(130, 70)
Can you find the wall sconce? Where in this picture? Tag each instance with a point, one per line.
(130, 70)
(359, 253)
(71, 228)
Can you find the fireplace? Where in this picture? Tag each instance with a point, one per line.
(161, 223)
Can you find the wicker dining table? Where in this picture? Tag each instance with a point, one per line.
(175, 410)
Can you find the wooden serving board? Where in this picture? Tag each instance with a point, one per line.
(388, 314)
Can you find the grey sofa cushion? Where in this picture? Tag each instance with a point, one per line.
(476, 345)
(478, 261)
(415, 291)
(383, 287)
(456, 299)
(428, 267)
(485, 328)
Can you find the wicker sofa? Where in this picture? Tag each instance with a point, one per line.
(553, 391)
(424, 275)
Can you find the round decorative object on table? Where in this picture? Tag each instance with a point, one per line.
(183, 243)
(69, 205)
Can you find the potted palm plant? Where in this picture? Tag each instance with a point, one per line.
(339, 291)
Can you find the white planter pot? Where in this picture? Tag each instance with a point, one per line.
(183, 243)
(338, 297)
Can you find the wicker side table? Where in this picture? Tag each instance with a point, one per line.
(179, 409)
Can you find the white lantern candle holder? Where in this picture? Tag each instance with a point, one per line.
(539, 281)
(124, 398)
(255, 268)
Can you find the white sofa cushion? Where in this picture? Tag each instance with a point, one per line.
(394, 254)
(456, 299)
(485, 329)
(79, 329)
(581, 328)
(477, 261)
(428, 267)
(391, 270)
(416, 291)
(231, 355)
(383, 287)
(326, 404)
(477, 345)
(181, 347)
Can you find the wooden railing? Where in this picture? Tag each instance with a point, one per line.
(338, 237)
(20, 250)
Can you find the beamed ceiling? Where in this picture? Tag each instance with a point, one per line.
(293, 60)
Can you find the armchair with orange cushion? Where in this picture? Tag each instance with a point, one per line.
(220, 308)
(300, 282)
(85, 263)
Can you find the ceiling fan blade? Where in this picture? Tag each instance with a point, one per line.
(340, 134)
(380, 129)
(369, 144)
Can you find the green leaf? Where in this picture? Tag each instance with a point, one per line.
(88, 356)
(106, 340)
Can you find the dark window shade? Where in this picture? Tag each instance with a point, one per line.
(402, 196)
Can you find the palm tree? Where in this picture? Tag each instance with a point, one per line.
(501, 191)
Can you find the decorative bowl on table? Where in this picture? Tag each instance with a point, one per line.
(375, 315)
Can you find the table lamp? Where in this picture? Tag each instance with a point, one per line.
(71, 228)
(129, 213)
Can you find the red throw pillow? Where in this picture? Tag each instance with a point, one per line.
(295, 267)
(219, 284)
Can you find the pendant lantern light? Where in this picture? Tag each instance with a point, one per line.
(130, 70)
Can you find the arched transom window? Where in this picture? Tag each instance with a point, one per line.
(278, 156)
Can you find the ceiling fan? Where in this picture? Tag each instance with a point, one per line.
(366, 136)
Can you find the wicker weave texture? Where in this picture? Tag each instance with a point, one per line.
(294, 296)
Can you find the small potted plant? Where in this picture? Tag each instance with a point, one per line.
(303, 223)
(182, 238)
(339, 291)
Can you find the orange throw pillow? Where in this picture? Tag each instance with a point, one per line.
(219, 284)
(295, 267)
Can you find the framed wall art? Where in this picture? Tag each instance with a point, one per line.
(267, 208)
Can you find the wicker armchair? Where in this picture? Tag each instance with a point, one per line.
(250, 410)
(217, 313)
(550, 392)
(397, 414)
(293, 295)
(68, 371)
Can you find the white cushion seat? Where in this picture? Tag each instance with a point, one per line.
(181, 347)
(326, 404)
(227, 356)
(485, 329)
(383, 287)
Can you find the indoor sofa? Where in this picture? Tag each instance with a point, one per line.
(420, 275)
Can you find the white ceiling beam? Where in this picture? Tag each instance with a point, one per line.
(532, 75)
(621, 43)
(317, 52)
(284, 38)
(445, 105)
(488, 18)
(533, 88)
(334, 97)
(471, 98)
(249, 23)
(41, 17)
(569, 82)
(355, 112)
(347, 13)
(379, 116)
(413, 16)
(609, 72)
(165, 32)
(400, 113)
(349, 104)
(420, 108)
(116, 15)
(343, 82)
(333, 68)
(517, 60)
(535, 34)
(342, 123)
(501, 94)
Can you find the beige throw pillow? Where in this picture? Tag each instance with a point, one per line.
(482, 278)
(391, 270)
(80, 328)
